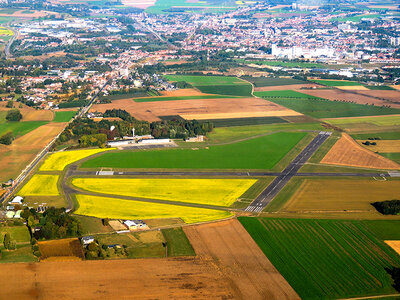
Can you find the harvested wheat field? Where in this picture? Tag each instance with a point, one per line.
(229, 247)
(341, 195)
(288, 87)
(335, 94)
(150, 111)
(352, 88)
(346, 152)
(15, 157)
(395, 245)
(383, 146)
(173, 278)
(386, 94)
(61, 250)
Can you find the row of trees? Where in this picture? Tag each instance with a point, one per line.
(389, 207)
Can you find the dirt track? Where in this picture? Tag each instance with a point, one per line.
(229, 247)
(346, 152)
(150, 111)
(286, 87)
(182, 278)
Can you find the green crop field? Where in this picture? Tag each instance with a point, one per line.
(20, 128)
(392, 135)
(284, 94)
(325, 259)
(64, 116)
(372, 122)
(220, 192)
(157, 99)
(265, 81)
(320, 108)
(258, 153)
(18, 233)
(168, 6)
(222, 85)
(337, 82)
(392, 156)
(102, 207)
(177, 242)
(384, 229)
(245, 121)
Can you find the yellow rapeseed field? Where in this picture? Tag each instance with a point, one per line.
(221, 192)
(59, 160)
(40, 185)
(102, 207)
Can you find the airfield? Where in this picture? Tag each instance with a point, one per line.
(275, 203)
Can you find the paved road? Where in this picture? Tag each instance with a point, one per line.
(291, 170)
(220, 174)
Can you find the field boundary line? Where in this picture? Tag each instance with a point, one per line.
(371, 297)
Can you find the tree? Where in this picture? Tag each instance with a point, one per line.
(31, 221)
(10, 104)
(6, 139)
(14, 115)
(6, 240)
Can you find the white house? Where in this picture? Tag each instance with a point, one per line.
(17, 200)
(86, 240)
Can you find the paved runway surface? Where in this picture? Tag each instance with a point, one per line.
(291, 170)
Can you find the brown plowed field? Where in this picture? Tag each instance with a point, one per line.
(182, 93)
(390, 95)
(395, 245)
(15, 157)
(64, 249)
(174, 278)
(229, 247)
(150, 111)
(383, 146)
(346, 152)
(335, 94)
(287, 87)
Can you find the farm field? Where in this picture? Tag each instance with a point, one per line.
(230, 248)
(384, 229)
(367, 124)
(23, 253)
(18, 233)
(395, 245)
(102, 207)
(324, 259)
(293, 87)
(283, 94)
(258, 153)
(59, 160)
(29, 113)
(245, 121)
(346, 96)
(6, 31)
(287, 64)
(92, 225)
(162, 98)
(61, 250)
(179, 278)
(20, 128)
(64, 116)
(341, 195)
(391, 95)
(178, 243)
(15, 157)
(271, 82)
(393, 156)
(319, 108)
(336, 82)
(391, 135)
(40, 185)
(383, 146)
(220, 192)
(347, 152)
(203, 108)
(223, 85)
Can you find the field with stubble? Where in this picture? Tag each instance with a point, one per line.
(234, 253)
(346, 152)
(174, 278)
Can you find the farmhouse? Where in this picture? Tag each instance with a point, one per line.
(86, 240)
(135, 224)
